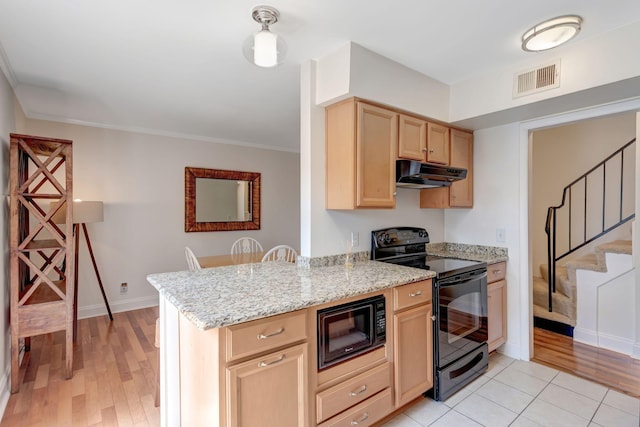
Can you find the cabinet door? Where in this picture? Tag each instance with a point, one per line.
(413, 331)
(412, 138)
(461, 192)
(269, 390)
(437, 144)
(376, 142)
(497, 313)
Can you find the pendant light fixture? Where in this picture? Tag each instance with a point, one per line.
(265, 49)
(551, 33)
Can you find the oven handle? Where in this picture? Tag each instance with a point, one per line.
(456, 280)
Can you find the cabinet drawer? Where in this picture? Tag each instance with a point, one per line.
(365, 414)
(348, 393)
(261, 335)
(411, 294)
(496, 272)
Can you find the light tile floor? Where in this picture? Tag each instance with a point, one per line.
(525, 394)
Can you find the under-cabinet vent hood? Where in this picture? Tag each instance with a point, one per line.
(414, 174)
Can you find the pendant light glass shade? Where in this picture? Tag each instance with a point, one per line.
(265, 49)
(551, 33)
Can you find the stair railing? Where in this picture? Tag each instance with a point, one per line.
(551, 226)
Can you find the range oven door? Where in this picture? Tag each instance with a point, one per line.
(460, 305)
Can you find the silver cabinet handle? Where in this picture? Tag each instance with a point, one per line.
(273, 362)
(362, 419)
(424, 150)
(415, 294)
(497, 272)
(433, 318)
(359, 391)
(263, 336)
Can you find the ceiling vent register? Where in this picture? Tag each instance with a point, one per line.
(536, 80)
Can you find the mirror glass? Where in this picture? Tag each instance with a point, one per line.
(221, 200)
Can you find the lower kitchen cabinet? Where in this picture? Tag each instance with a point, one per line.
(413, 347)
(414, 353)
(497, 305)
(249, 374)
(365, 414)
(271, 387)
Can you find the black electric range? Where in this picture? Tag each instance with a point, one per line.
(460, 324)
(406, 246)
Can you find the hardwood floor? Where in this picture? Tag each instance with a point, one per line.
(611, 369)
(113, 383)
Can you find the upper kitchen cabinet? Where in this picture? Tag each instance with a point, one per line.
(460, 193)
(412, 138)
(361, 153)
(437, 144)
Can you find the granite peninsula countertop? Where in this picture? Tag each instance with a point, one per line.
(222, 296)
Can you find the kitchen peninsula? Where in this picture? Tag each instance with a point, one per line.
(203, 315)
(230, 333)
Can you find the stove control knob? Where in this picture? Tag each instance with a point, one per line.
(387, 238)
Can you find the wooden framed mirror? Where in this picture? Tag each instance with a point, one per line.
(221, 200)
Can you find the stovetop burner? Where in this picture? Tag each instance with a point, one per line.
(406, 246)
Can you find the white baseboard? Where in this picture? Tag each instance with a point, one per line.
(585, 336)
(636, 351)
(512, 351)
(601, 340)
(617, 344)
(118, 307)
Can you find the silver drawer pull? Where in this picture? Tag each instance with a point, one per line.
(360, 391)
(263, 336)
(362, 419)
(273, 362)
(497, 271)
(415, 294)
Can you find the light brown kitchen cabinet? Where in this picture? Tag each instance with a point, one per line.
(270, 387)
(437, 143)
(244, 374)
(497, 305)
(361, 144)
(412, 138)
(413, 347)
(460, 193)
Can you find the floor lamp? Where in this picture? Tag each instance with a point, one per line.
(84, 212)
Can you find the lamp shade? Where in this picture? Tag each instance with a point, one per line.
(84, 212)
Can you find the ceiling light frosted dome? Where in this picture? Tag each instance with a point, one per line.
(265, 49)
(551, 33)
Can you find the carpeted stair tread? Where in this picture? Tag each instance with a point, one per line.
(562, 304)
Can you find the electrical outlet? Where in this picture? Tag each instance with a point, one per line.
(124, 287)
(501, 235)
(355, 239)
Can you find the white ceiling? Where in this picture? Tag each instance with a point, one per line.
(175, 67)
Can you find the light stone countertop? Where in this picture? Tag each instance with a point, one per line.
(488, 254)
(222, 296)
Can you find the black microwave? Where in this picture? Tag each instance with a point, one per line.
(350, 329)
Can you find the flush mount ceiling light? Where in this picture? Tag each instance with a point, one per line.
(265, 49)
(551, 33)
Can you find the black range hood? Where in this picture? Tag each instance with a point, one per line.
(414, 174)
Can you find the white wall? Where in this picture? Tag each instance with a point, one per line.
(497, 188)
(140, 178)
(563, 153)
(353, 70)
(7, 125)
(325, 232)
(585, 64)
